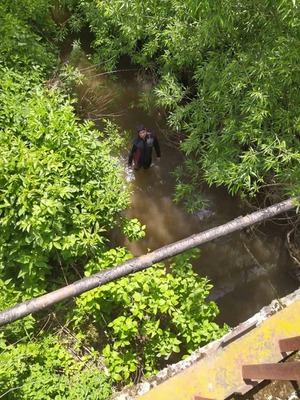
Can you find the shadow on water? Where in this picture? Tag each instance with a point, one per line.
(248, 269)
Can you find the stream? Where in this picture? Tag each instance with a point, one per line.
(248, 269)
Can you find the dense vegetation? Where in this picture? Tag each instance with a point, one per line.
(62, 192)
(228, 75)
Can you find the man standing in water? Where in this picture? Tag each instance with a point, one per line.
(141, 151)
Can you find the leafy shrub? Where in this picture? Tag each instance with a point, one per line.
(145, 319)
(23, 28)
(61, 188)
(42, 369)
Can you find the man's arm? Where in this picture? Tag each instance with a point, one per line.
(157, 147)
(130, 158)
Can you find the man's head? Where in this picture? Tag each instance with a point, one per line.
(142, 132)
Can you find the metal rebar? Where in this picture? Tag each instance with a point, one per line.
(288, 371)
(289, 344)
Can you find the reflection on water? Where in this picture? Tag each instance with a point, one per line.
(248, 269)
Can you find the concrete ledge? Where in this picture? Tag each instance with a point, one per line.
(214, 371)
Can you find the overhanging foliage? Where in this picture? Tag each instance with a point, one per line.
(230, 78)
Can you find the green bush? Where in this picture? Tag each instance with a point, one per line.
(26, 30)
(61, 188)
(42, 369)
(141, 321)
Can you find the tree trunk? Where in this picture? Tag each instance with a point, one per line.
(140, 263)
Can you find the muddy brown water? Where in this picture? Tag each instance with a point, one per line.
(247, 269)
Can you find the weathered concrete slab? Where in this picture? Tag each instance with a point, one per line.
(219, 373)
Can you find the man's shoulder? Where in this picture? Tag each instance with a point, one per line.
(136, 140)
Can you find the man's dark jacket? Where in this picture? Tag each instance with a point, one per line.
(141, 151)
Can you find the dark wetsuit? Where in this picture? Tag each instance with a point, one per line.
(141, 151)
